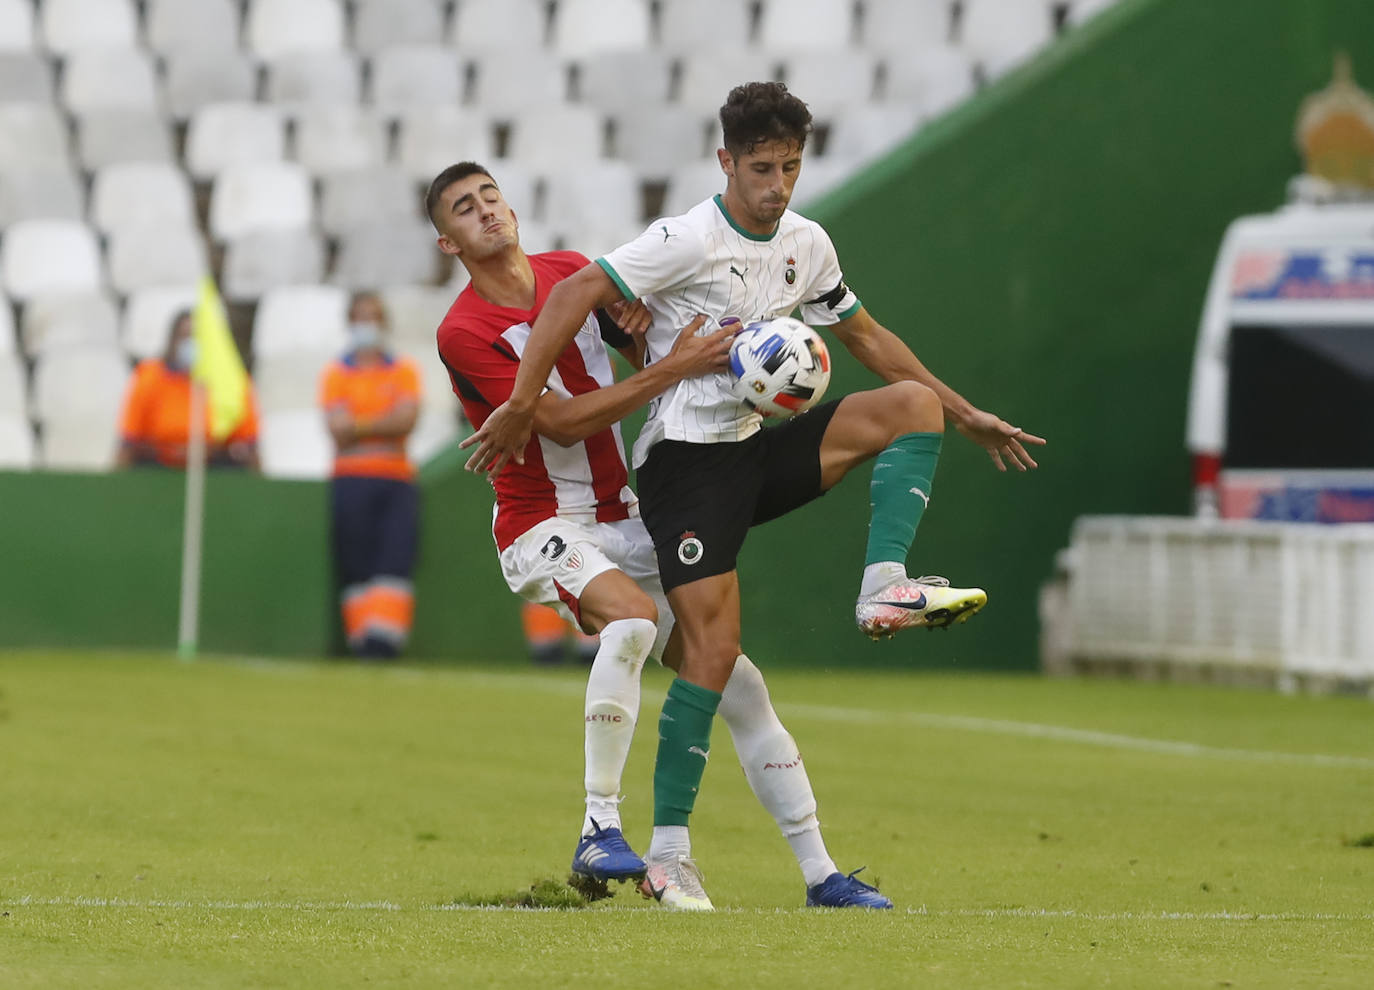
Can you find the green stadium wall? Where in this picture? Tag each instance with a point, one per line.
(1044, 248)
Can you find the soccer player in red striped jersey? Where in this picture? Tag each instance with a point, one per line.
(567, 525)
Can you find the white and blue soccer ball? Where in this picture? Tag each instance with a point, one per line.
(780, 367)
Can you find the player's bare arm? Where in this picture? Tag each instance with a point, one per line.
(507, 430)
(886, 355)
(567, 421)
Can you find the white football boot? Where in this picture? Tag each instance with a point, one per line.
(676, 884)
(924, 601)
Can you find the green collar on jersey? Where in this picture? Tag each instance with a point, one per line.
(738, 229)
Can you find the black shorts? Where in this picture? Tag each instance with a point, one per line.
(698, 500)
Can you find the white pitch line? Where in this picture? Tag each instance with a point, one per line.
(929, 720)
(391, 907)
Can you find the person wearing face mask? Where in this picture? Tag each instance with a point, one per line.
(371, 400)
(156, 419)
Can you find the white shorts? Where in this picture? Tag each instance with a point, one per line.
(552, 564)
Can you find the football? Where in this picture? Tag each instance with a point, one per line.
(780, 367)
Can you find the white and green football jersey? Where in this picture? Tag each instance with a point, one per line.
(702, 262)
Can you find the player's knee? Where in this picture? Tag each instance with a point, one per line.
(629, 605)
(911, 407)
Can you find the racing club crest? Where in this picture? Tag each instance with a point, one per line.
(790, 275)
(689, 549)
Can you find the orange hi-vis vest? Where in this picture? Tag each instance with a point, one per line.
(368, 392)
(157, 413)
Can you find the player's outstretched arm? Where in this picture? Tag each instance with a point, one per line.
(886, 355)
(567, 421)
(507, 430)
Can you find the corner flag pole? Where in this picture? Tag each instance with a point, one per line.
(193, 525)
(219, 400)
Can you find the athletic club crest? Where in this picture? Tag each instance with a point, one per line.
(689, 549)
(790, 275)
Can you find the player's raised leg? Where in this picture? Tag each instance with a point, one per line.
(625, 616)
(903, 425)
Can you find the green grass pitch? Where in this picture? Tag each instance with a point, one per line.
(272, 824)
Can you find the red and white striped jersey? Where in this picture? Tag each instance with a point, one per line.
(481, 345)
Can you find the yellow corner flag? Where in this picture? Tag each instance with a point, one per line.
(218, 364)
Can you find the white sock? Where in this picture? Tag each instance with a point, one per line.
(612, 707)
(878, 576)
(669, 842)
(774, 768)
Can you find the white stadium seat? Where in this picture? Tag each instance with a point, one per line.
(295, 318)
(688, 26)
(483, 25)
(329, 139)
(596, 27)
(14, 389)
(294, 444)
(519, 187)
(9, 344)
(690, 183)
(505, 86)
(601, 196)
(438, 426)
(552, 137)
(870, 131)
(31, 135)
(107, 137)
(625, 82)
(352, 199)
(128, 194)
(191, 25)
(25, 77)
(279, 27)
(77, 395)
(16, 443)
(254, 196)
(60, 321)
(1083, 10)
(16, 25)
(830, 82)
(50, 192)
(797, 25)
(223, 134)
(432, 138)
(299, 80)
(932, 79)
(266, 259)
(141, 256)
(49, 256)
(708, 76)
(897, 27)
(290, 381)
(109, 77)
(69, 25)
(383, 253)
(200, 77)
(147, 320)
(406, 76)
(1002, 35)
(379, 23)
(414, 313)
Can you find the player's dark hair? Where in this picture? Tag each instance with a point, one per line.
(763, 111)
(448, 177)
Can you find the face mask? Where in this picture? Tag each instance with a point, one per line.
(364, 336)
(184, 354)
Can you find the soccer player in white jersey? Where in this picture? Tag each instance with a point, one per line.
(706, 470)
(567, 527)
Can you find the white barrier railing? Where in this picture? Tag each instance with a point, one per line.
(1293, 601)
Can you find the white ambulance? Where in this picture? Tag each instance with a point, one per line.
(1281, 408)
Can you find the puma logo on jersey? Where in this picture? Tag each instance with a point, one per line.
(736, 271)
(666, 233)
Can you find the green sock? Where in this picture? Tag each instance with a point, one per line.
(684, 741)
(899, 493)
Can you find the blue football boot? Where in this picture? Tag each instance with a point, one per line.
(605, 855)
(840, 891)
